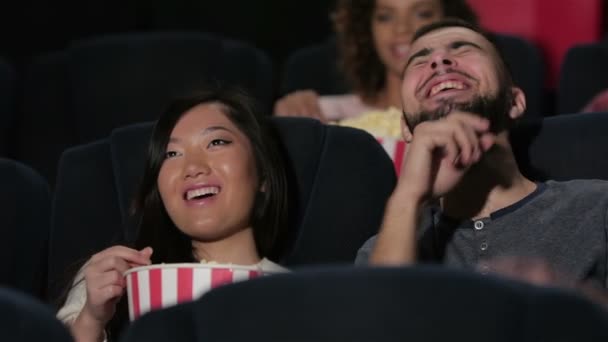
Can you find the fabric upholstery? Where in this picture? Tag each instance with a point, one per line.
(25, 203)
(22, 318)
(563, 147)
(583, 75)
(378, 304)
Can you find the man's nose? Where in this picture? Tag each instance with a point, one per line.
(441, 60)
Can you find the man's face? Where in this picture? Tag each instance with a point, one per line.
(453, 68)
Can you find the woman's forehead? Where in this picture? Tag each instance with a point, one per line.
(202, 116)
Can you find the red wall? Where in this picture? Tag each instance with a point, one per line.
(553, 25)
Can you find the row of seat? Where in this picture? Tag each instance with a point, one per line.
(81, 93)
(337, 200)
(347, 304)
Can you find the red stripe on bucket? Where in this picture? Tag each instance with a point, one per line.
(184, 284)
(399, 153)
(220, 277)
(156, 289)
(254, 274)
(135, 294)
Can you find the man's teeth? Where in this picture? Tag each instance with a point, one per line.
(211, 190)
(446, 85)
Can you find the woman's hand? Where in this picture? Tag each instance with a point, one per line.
(300, 103)
(105, 285)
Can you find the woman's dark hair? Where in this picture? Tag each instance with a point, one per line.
(269, 216)
(358, 58)
(268, 219)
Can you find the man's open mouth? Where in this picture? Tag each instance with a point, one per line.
(446, 86)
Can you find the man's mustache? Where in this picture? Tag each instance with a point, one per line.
(437, 73)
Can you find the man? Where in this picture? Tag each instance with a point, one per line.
(461, 199)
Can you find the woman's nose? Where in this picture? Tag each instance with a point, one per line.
(403, 26)
(196, 166)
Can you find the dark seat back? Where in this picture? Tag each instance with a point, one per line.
(527, 68)
(364, 304)
(25, 211)
(583, 75)
(563, 147)
(23, 318)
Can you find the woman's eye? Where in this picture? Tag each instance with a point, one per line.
(383, 17)
(170, 154)
(428, 14)
(218, 142)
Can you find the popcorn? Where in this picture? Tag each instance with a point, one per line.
(378, 123)
(385, 126)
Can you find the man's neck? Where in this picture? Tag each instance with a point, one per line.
(493, 184)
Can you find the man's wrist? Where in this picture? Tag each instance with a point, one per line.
(404, 199)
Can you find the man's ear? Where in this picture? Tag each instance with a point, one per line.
(519, 103)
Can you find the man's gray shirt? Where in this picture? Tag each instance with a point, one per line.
(565, 223)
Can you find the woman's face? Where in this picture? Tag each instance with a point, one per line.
(393, 25)
(208, 180)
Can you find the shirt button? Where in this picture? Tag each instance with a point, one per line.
(484, 269)
(478, 225)
(483, 246)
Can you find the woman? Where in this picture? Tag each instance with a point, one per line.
(214, 189)
(373, 41)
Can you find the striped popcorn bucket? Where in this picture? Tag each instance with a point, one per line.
(160, 286)
(395, 148)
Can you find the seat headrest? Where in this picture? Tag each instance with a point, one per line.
(123, 79)
(563, 147)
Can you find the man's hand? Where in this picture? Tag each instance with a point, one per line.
(439, 154)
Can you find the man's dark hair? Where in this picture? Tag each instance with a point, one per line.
(450, 22)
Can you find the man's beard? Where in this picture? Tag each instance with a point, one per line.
(494, 108)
